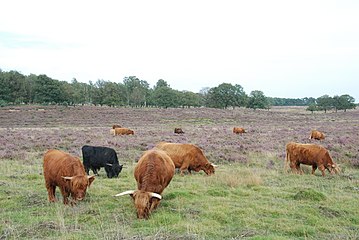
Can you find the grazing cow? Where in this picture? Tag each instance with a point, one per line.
(116, 126)
(122, 131)
(317, 135)
(179, 131)
(238, 130)
(187, 157)
(153, 172)
(67, 172)
(96, 157)
(309, 154)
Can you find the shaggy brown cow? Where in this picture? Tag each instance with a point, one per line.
(309, 154)
(67, 172)
(179, 131)
(153, 173)
(317, 135)
(122, 131)
(238, 130)
(116, 126)
(187, 157)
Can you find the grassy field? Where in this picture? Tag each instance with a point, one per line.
(250, 196)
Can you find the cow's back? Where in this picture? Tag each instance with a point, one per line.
(98, 155)
(154, 171)
(58, 164)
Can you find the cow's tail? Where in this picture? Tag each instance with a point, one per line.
(286, 163)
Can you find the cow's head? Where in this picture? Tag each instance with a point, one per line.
(78, 185)
(113, 170)
(209, 168)
(131, 132)
(144, 201)
(333, 168)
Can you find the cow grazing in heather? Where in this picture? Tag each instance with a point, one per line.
(317, 135)
(116, 126)
(122, 131)
(179, 131)
(238, 130)
(309, 154)
(96, 157)
(66, 172)
(153, 173)
(187, 157)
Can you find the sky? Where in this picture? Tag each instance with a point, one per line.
(285, 48)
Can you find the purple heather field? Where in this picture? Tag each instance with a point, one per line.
(26, 132)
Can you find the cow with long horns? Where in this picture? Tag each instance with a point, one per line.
(153, 173)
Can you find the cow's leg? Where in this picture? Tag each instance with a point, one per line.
(94, 170)
(299, 171)
(87, 169)
(65, 195)
(293, 167)
(322, 169)
(314, 167)
(51, 192)
(183, 168)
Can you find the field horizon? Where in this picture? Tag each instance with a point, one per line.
(250, 196)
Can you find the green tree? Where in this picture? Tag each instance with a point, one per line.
(48, 90)
(137, 91)
(312, 107)
(12, 87)
(226, 95)
(257, 100)
(189, 99)
(343, 102)
(325, 103)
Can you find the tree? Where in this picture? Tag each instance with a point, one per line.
(137, 91)
(312, 108)
(257, 100)
(165, 97)
(48, 90)
(189, 99)
(226, 95)
(325, 103)
(12, 87)
(343, 102)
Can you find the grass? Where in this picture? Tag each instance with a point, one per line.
(250, 196)
(236, 202)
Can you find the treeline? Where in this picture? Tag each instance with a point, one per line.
(16, 88)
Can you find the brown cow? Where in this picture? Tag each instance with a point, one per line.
(309, 154)
(238, 130)
(179, 131)
(317, 135)
(116, 126)
(187, 157)
(122, 131)
(153, 173)
(67, 172)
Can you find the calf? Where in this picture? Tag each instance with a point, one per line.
(317, 135)
(66, 172)
(96, 157)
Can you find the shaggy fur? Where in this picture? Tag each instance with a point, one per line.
(58, 164)
(153, 173)
(317, 135)
(187, 157)
(309, 154)
(116, 126)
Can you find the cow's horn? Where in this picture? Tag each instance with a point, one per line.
(88, 177)
(156, 195)
(109, 164)
(214, 165)
(125, 193)
(67, 178)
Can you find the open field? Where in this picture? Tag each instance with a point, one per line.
(250, 196)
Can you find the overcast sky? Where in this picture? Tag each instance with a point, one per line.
(284, 48)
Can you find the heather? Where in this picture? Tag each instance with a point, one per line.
(249, 196)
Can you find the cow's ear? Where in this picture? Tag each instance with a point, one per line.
(67, 178)
(91, 179)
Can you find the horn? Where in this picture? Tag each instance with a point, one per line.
(67, 178)
(88, 177)
(109, 164)
(125, 193)
(214, 165)
(156, 195)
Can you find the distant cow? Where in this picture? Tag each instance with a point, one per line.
(67, 172)
(179, 131)
(116, 126)
(238, 130)
(96, 157)
(317, 135)
(309, 154)
(153, 172)
(187, 157)
(122, 131)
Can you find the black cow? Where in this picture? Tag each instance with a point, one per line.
(96, 157)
